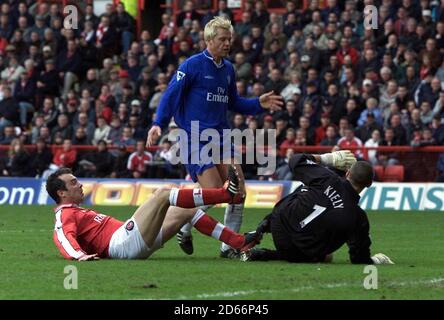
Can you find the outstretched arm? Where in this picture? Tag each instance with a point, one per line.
(341, 160)
(267, 101)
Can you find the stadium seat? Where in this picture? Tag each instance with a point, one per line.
(394, 173)
(379, 173)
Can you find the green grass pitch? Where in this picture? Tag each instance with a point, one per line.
(31, 267)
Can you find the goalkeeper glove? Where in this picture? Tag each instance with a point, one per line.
(381, 258)
(342, 160)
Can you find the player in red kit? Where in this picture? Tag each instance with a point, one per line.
(84, 234)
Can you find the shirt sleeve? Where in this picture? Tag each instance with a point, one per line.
(305, 169)
(242, 105)
(173, 96)
(359, 241)
(65, 234)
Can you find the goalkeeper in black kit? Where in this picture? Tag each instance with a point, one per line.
(320, 216)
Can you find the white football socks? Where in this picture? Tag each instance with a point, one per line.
(233, 220)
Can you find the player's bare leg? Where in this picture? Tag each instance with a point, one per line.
(151, 214)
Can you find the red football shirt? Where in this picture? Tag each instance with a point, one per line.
(80, 231)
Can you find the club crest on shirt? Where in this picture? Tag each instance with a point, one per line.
(180, 75)
(129, 226)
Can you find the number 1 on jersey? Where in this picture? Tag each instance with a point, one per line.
(317, 211)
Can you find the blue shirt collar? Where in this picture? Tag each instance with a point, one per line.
(208, 56)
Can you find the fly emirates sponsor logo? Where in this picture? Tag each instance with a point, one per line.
(220, 96)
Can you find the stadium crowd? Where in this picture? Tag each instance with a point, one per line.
(343, 85)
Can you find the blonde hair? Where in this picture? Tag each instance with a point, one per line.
(211, 27)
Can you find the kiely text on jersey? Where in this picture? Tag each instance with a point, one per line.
(220, 96)
(334, 197)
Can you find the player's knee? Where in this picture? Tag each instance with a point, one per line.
(162, 193)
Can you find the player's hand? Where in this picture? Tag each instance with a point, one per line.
(89, 257)
(381, 258)
(343, 160)
(153, 135)
(271, 101)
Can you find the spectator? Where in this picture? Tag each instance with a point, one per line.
(242, 67)
(163, 168)
(69, 66)
(139, 160)
(125, 27)
(18, 160)
(372, 107)
(96, 164)
(89, 16)
(373, 142)
(223, 10)
(41, 158)
(9, 109)
(91, 83)
(106, 38)
(7, 135)
(101, 132)
(293, 87)
(423, 138)
(243, 28)
(331, 137)
(63, 128)
(283, 171)
(80, 137)
(188, 13)
(304, 125)
(64, 156)
(260, 14)
(352, 112)
(321, 130)
(292, 111)
(350, 141)
(12, 73)
(426, 113)
(83, 122)
(127, 137)
(115, 131)
(120, 166)
(288, 143)
(24, 93)
(47, 81)
(400, 132)
(438, 130)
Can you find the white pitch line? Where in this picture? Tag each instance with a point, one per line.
(230, 294)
